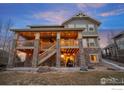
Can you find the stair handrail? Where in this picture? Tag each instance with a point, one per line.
(47, 51)
(47, 46)
(52, 47)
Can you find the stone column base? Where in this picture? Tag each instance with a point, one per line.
(83, 68)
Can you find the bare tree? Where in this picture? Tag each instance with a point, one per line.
(110, 35)
(5, 40)
(1, 32)
(108, 38)
(7, 27)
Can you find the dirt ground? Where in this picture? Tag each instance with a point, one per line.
(56, 78)
(63, 76)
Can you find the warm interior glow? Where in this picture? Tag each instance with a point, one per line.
(68, 56)
(21, 55)
(93, 58)
(62, 56)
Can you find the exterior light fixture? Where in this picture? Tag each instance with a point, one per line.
(62, 56)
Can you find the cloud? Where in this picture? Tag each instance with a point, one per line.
(113, 12)
(56, 16)
(90, 8)
(91, 5)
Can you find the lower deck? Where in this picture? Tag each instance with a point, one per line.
(69, 57)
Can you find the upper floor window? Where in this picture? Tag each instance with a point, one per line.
(70, 25)
(91, 27)
(81, 26)
(92, 42)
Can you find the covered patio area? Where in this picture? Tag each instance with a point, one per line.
(41, 43)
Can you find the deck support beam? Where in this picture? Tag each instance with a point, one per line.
(36, 50)
(12, 54)
(81, 52)
(58, 52)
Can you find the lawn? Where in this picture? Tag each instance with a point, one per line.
(57, 78)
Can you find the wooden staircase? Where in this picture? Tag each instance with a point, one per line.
(47, 54)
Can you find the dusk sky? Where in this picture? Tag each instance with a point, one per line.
(110, 15)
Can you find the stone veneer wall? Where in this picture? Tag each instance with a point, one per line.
(88, 51)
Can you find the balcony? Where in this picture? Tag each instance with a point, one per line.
(90, 33)
(46, 45)
(69, 43)
(25, 44)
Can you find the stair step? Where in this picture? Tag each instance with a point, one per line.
(47, 54)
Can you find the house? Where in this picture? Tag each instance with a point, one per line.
(73, 42)
(115, 51)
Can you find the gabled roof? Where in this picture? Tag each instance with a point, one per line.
(118, 35)
(81, 16)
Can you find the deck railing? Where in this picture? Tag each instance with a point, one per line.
(47, 52)
(89, 33)
(69, 42)
(25, 43)
(46, 45)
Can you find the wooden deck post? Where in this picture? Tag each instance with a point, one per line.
(12, 53)
(36, 50)
(81, 52)
(58, 53)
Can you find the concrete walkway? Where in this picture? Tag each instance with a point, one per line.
(112, 64)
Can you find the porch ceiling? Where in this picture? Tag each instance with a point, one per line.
(46, 32)
(47, 35)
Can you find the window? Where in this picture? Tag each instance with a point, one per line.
(93, 58)
(78, 26)
(84, 43)
(81, 26)
(90, 27)
(92, 42)
(70, 25)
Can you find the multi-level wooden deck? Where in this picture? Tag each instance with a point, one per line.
(42, 44)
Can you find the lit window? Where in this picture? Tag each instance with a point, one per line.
(93, 58)
(62, 56)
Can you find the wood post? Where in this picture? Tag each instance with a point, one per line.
(58, 52)
(12, 53)
(81, 51)
(36, 50)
